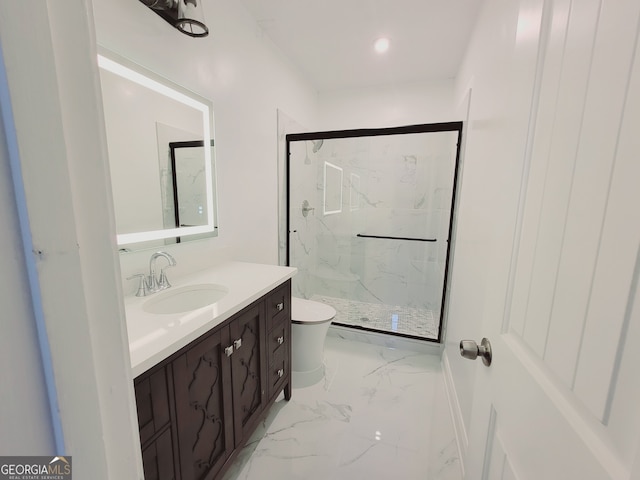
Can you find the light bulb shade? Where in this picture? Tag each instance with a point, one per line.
(191, 18)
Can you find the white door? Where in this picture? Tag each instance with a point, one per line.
(561, 399)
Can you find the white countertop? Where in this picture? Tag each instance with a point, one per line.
(154, 337)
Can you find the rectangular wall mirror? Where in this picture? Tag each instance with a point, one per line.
(163, 179)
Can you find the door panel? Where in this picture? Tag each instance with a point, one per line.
(545, 429)
(549, 218)
(560, 399)
(580, 270)
(498, 462)
(545, 126)
(618, 236)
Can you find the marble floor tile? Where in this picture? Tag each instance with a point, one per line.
(378, 413)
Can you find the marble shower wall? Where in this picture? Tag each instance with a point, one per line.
(387, 185)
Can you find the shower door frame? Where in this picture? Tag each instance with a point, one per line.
(374, 132)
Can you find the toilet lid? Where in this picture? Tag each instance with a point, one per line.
(309, 311)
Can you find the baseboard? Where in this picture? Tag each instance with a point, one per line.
(456, 413)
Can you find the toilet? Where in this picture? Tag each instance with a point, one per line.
(310, 323)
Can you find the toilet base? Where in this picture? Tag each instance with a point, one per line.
(306, 379)
(310, 322)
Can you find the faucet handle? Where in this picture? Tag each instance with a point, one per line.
(163, 282)
(143, 287)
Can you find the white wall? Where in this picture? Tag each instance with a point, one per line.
(25, 431)
(247, 80)
(53, 85)
(389, 106)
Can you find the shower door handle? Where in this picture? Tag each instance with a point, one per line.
(306, 208)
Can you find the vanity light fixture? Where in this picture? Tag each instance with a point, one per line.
(185, 15)
(381, 45)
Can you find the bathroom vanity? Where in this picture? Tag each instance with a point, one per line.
(203, 386)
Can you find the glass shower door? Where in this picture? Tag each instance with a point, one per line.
(369, 224)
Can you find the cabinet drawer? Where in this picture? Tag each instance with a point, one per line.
(278, 338)
(278, 371)
(278, 305)
(152, 402)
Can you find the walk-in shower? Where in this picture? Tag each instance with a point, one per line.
(369, 218)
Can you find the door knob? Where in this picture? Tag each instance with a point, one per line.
(470, 349)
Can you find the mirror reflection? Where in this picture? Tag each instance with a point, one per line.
(186, 179)
(163, 178)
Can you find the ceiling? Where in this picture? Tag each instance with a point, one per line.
(331, 41)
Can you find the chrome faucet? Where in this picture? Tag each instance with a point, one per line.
(160, 283)
(152, 283)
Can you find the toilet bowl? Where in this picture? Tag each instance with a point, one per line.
(310, 323)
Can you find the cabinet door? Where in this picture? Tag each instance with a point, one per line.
(202, 382)
(248, 365)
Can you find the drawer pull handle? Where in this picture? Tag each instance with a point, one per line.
(280, 340)
(228, 351)
(237, 343)
(280, 306)
(280, 372)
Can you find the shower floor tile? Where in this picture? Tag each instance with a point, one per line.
(417, 322)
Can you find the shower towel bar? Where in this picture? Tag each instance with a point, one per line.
(398, 238)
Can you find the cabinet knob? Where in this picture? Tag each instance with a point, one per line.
(237, 343)
(280, 340)
(228, 351)
(280, 306)
(280, 372)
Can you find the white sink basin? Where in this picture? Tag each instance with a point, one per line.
(185, 299)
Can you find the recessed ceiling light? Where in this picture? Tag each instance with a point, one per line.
(381, 45)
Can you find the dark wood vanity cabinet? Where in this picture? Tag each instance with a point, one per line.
(198, 407)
